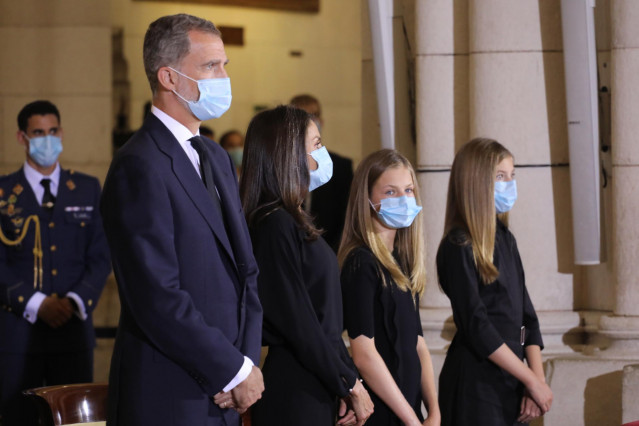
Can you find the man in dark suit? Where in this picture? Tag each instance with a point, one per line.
(328, 202)
(189, 336)
(49, 218)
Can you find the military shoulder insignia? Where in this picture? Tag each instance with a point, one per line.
(70, 185)
(18, 189)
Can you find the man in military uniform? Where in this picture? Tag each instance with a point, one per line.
(54, 261)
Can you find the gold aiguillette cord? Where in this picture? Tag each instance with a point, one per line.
(37, 248)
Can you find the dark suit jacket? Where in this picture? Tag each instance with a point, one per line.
(187, 283)
(329, 201)
(75, 258)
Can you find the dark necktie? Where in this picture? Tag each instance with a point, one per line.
(206, 170)
(48, 200)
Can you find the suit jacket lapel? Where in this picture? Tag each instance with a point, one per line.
(226, 183)
(189, 179)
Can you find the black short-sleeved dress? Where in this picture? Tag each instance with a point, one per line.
(391, 317)
(472, 389)
(307, 367)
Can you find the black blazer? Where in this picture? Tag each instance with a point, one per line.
(187, 283)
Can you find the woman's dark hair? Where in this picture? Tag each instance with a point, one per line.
(275, 171)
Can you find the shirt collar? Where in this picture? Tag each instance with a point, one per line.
(34, 177)
(179, 130)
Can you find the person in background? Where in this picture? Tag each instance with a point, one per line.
(207, 132)
(383, 277)
(484, 380)
(329, 202)
(233, 142)
(188, 341)
(46, 329)
(310, 379)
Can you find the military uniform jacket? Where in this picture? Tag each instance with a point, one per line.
(75, 259)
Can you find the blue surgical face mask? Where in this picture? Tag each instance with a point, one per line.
(215, 97)
(324, 170)
(44, 150)
(397, 212)
(505, 195)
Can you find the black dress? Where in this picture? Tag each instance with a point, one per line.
(307, 367)
(389, 315)
(472, 389)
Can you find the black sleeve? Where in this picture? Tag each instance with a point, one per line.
(459, 279)
(360, 282)
(288, 309)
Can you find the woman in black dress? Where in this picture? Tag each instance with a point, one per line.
(383, 276)
(309, 377)
(484, 380)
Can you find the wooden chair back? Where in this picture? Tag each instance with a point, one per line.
(70, 404)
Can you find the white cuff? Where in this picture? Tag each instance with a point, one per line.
(33, 306)
(81, 312)
(244, 372)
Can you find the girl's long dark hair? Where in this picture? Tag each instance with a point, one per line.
(275, 171)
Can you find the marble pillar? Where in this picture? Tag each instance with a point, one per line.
(622, 328)
(441, 126)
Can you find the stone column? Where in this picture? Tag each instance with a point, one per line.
(623, 327)
(60, 51)
(442, 125)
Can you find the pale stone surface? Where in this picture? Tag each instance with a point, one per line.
(623, 335)
(624, 16)
(587, 391)
(371, 134)
(509, 102)
(438, 327)
(625, 108)
(441, 27)
(433, 187)
(561, 331)
(625, 185)
(52, 60)
(540, 221)
(404, 130)
(442, 108)
(594, 286)
(26, 13)
(630, 389)
(502, 25)
(602, 25)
